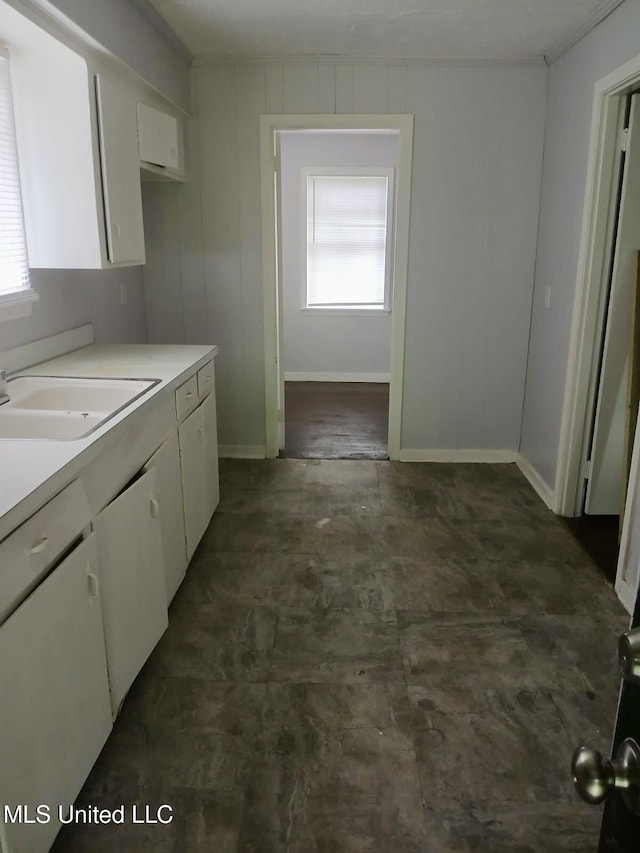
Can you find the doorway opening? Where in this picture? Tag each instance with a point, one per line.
(336, 199)
(601, 400)
(335, 217)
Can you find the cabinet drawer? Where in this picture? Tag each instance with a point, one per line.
(206, 380)
(186, 397)
(28, 552)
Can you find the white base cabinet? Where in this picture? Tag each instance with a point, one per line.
(134, 597)
(166, 464)
(211, 452)
(55, 713)
(194, 478)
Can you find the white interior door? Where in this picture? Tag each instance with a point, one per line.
(604, 487)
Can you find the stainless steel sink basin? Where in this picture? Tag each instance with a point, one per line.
(65, 408)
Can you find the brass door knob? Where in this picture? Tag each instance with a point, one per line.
(594, 776)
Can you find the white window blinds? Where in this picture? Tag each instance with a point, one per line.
(14, 269)
(347, 241)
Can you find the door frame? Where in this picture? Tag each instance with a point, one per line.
(270, 124)
(594, 254)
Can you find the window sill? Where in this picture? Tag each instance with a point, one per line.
(13, 306)
(347, 312)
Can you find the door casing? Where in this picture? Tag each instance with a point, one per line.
(269, 127)
(595, 248)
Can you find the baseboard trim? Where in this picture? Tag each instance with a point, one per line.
(295, 376)
(241, 451)
(626, 595)
(454, 455)
(539, 486)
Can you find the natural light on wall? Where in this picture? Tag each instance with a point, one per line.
(347, 239)
(16, 295)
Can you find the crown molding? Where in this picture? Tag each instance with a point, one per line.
(205, 60)
(603, 11)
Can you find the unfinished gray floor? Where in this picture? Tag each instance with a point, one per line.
(369, 656)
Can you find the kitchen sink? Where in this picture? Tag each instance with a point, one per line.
(65, 408)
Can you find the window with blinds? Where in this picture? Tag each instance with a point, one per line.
(347, 238)
(14, 268)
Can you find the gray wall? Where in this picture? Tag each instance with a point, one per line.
(314, 343)
(475, 198)
(570, 102)
(70, 298)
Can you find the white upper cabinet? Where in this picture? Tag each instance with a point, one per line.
(76, 120)
(120, 172)
(159, 138)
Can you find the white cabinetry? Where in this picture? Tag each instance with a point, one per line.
(211, 452)
(120, 172)
(159, 138)
(54, 705)
(166, 464)
(134, 598)
(194, 479)
(199, 462)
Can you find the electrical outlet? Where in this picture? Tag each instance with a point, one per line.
(547, 297)
(124, 297)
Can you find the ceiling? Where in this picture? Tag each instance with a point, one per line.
(382, 29)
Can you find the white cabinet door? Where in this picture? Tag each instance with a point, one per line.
(134, 598)
(194, 478)
(55, 714)
(211, 453)
(159, 137)
(166, 463)
(117, 119)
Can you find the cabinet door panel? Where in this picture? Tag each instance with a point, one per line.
(134, 598)
(166, 463)
(211, 452)
(117, 119)
(55, 711)
(194, 479)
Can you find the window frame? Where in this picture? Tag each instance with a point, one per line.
(344, 309)
(18, 303)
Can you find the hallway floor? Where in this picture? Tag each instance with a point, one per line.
(336, 420)
(369, 656)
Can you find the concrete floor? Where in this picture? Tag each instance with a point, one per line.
(369, 656)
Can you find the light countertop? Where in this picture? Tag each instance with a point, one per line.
(33, 470)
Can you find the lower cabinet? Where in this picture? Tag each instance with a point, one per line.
(166, 464)
(199, 463)
(132, 581)
(55, 712)
(211, 452)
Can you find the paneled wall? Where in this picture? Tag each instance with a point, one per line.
(475, 198)
(70, 298)
(571, 86)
